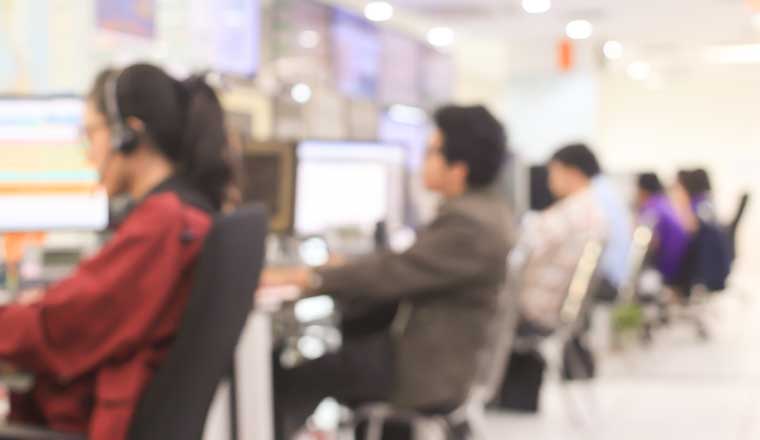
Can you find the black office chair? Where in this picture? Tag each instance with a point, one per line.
(733, 227)
(176, 401)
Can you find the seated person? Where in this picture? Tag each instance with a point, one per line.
(670, 237)
(554, 240)
(708, 257)
(692, 195)
(618, 219)
(94, 339)
(448, 284)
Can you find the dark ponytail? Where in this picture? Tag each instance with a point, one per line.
(203, 158)
(184, 119)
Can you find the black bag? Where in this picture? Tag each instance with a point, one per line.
(577, 361)
(521, 388)
(708, 258)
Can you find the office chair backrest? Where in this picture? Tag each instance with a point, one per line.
(642, 241)
(742, 209)
(176, 401)
(584, 281)
(733, 227)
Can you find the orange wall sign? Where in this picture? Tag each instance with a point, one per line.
(565, 55)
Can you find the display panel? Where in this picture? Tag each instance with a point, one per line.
(134, 17)
(356, 46)
(401, 69)
(348, 185)
(270, 178)
(46, 181)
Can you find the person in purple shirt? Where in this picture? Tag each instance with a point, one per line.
(671, 236)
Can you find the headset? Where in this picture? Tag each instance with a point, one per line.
(123, 138)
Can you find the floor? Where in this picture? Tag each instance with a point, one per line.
(680, 388)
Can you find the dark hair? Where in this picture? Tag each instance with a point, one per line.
(696, 182)
(474, 136)
(580, 157)
(184, 119)
(650, 183)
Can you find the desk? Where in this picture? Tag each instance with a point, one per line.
(253, 401)
(253, 366)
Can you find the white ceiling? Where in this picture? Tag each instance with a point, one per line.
(663, 23)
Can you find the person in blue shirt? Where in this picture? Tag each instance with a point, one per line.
(618, 219)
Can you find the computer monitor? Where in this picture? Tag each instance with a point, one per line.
(349, 185)
(46, 181)
(269, 170)
(541, 196)
(409, 127)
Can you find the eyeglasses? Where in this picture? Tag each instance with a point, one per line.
(433, 151)
(87, 131)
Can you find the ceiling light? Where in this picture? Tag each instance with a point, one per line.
(579, 29)
(301, 93)
(613, 50)
(639, 71)
(739, 54)
(537, 6)
(309, 39)
(440, 36)
(378, 11)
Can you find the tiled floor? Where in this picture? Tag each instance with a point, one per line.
(678, 389)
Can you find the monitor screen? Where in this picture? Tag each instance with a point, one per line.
(541, 196)
(237, 37)
(135, 17)
(225, 35)
(439, 76)
(401, 69)
(396, 127)
(356, 45)
(269, 170)
(350, 185)
(46, 181)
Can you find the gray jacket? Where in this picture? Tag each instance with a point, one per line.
(449, 282)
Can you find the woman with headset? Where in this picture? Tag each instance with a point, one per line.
(94, 339)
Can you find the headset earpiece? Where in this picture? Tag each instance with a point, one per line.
(123, 138)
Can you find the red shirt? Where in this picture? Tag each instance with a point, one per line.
(96, 338)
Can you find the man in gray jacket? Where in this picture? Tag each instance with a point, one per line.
(446, 286)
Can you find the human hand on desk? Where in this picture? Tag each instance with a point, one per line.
(286, 276)
(278, 285)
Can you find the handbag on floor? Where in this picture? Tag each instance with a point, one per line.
(521, 388)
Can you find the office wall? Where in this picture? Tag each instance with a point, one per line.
(549, 109)
(481, 72)
(705, 116)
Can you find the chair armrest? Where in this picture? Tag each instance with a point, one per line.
(21, 432)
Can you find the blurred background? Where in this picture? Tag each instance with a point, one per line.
(651, 85)
(654, 85)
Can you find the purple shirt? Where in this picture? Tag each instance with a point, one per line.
(671, 236)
